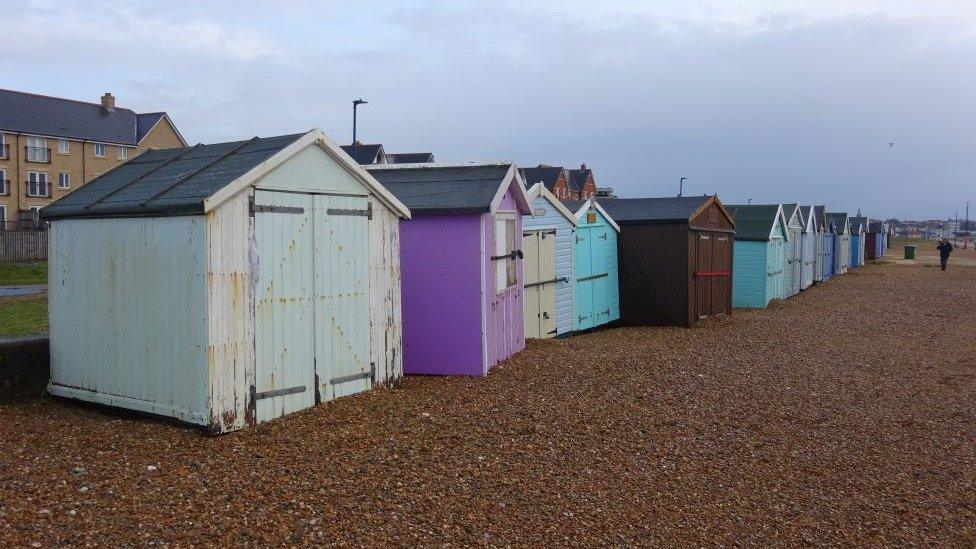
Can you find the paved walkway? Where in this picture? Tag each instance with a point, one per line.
(11, 291)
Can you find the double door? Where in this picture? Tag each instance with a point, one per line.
(311, 300)
(593, 299)
(713, 274)
(539, 264)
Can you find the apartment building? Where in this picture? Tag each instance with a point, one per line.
(50, 146)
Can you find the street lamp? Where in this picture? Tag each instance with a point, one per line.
(681, 185)
(356, 104)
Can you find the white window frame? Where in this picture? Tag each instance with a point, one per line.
(4, 189)
(99, 147)
(64, 146)
(47, 184)
(123, 152)
(40, 144)
(3, 216)
(506, 270)
(64, 180)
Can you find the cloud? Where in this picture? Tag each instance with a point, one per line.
(781, 100)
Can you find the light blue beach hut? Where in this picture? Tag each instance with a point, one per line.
(595, 265)
(759, 267)
(547, 244)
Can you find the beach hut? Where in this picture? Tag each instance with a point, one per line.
(794, 224)
(547, 245)
(859, 225)
(760, 268)
(461, 260)
(842, 242)
(829, 240)
(874, 240)
(675, 258)
(809, 238)
(818, 245)
(595, 265)
(226, 284)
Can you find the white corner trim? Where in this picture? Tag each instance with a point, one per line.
(512, 178)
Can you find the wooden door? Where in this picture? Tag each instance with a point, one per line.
(284, 333)
(531, 276)
(341, 259)
(722, 274)
(703, 278)
(584, 278)
(547, 286)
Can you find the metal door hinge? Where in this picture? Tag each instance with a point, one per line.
(258, 395)
(368, 374)
(367, 213)
(275, 209)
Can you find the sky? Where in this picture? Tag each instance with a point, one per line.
(774, 101)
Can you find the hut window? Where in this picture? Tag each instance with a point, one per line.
(591, 217)
(505, 245)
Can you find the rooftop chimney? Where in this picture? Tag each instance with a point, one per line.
(108, 102)
(582, 166)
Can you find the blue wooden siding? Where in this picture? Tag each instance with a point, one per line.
(597, 299)
(828, 253)
(855, 250)
(749, 275)
(547, 217)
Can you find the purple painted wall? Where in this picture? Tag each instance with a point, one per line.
(440, 262)
(443, 272)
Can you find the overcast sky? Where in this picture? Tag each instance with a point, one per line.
(777, 101)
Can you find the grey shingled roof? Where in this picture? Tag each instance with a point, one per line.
(821, 213)
(443, 189)
(672, 209)
(753, 222)
(410, 158)
(839, 220)
(788, 210)
(168, 181)
(577, 179)
(547, 175)
(363, 154)
(858, 222)
(58, 117)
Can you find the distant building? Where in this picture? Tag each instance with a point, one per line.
(605, 192)
(565, 184)
(554, 178)
(50, 146)
(368, 154)
(582, 181)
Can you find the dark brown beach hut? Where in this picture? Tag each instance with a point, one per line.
(675, 259)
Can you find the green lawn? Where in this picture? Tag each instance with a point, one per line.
(20, 316)
(34, 272)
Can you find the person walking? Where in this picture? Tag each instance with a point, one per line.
(945, 248)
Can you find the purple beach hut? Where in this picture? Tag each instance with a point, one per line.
(461, 264)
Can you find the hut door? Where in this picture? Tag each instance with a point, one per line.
(722, 279)
(342, 295)
(539, 248)
(584, 279)
(284, 333)
(703, 276)
(533, 303)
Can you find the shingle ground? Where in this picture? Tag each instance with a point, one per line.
(846, 415)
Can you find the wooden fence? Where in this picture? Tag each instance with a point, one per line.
(29, 244)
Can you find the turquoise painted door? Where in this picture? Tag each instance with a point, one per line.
(584, 281)
(601, 301)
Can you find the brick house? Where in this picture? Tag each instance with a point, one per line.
(582, 182)
(554, 178)
(50, 146)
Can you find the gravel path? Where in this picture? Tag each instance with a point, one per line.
(740, 432)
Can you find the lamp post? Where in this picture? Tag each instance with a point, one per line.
(681, 185)
(356, 103)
